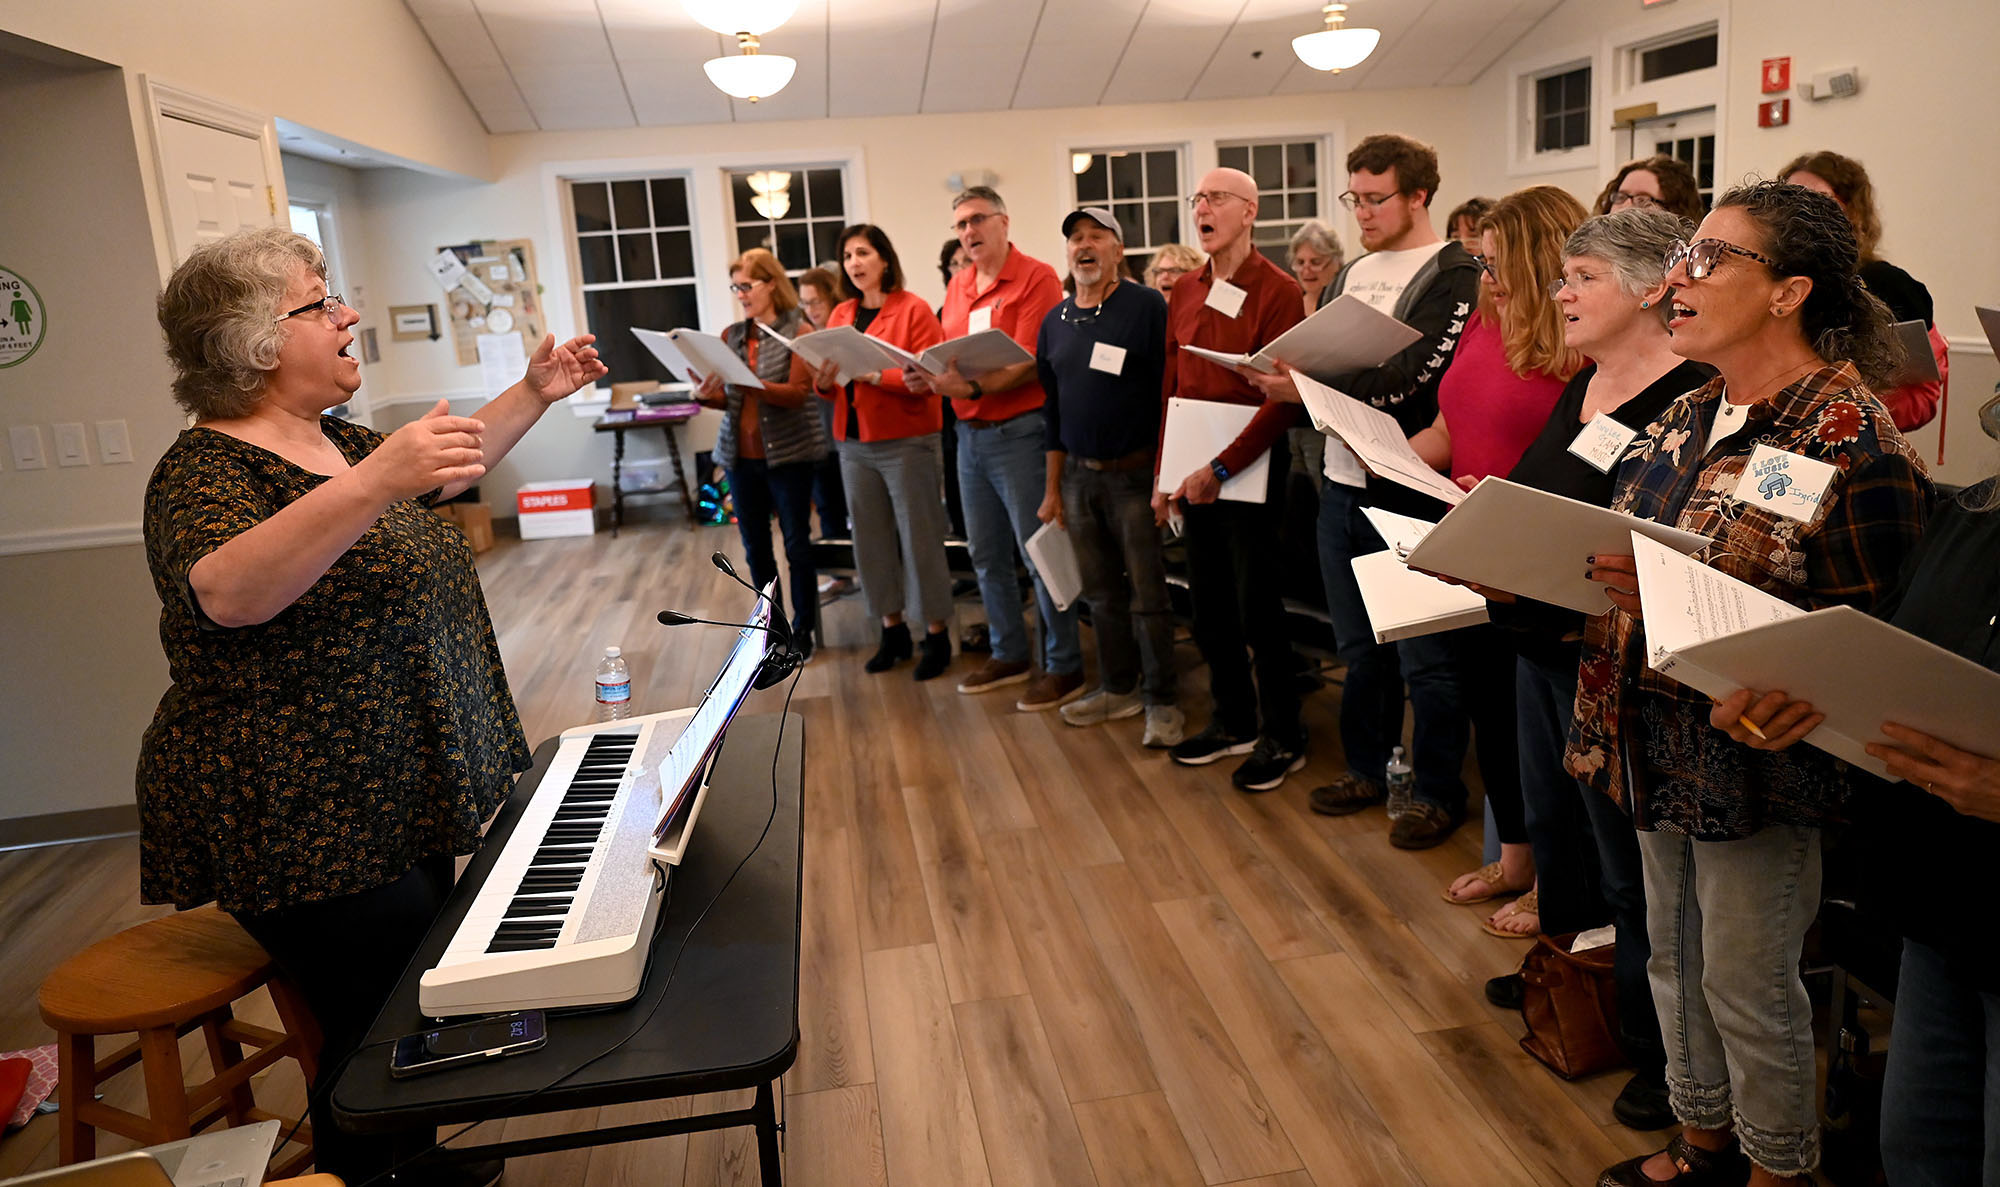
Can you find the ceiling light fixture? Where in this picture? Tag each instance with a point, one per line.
(731, 17)
(1079, 162)
(770, 193)
(751, 75)
(1334, 48)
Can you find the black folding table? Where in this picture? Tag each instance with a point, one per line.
(718, 1012)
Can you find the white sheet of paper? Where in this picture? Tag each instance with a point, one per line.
(712, 356)
(1919, 364)
(1534, 544)
(1403, 604)
(978, 320)
(447, 268)
(502, 362)
(1602, 442)
(1225, 298)
(1784, 483)
(1107, 358)
(1346, 334)
(854, 352)
(981, 352)
(1402, 533)
(1053, 554)
(1717, 634)
(1375, 438)
(1196, 431)
(662, 348)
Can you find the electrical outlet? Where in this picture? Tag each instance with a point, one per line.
(114, 443)
(70, 450)
(28, 451)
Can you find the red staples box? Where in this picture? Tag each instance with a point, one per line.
(559, 507)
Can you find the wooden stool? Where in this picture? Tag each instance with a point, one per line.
(161, 980)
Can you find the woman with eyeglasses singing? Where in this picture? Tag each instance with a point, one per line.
(771, 440)
(1791, 468)
(1653, 183)
(339, 725)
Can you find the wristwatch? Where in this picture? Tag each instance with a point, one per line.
(1221, 471)
(977, 391)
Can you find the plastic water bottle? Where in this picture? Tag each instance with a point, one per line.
(1401, 782)
(614, 687)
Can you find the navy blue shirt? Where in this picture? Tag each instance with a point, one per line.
(1093, 413)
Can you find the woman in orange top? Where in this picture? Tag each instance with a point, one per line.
(890, 459)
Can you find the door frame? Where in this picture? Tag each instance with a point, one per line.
(167, 101)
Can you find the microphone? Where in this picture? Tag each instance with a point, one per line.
(778, 663)
(780, 628)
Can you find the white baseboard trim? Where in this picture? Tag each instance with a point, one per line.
(71, 539)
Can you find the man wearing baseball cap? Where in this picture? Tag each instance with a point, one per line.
(1100, 355)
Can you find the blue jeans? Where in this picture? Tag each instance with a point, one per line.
(1002, 477)
(1728, 921)
(1371, 699)
(1586, 855)
(1941, 1096)
(760, 490)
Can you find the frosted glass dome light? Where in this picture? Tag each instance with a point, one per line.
(1334, 48)
(751, 75)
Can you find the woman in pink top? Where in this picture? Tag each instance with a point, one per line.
(1504, 381)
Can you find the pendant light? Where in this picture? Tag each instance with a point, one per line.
(1336, 48)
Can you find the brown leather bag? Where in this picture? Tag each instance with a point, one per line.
(1570, 1002)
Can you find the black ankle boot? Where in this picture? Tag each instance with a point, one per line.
(895, 648)
(937, 655)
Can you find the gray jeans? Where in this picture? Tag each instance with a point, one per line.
(1728, 920)
(895, 512)
(1110, 519)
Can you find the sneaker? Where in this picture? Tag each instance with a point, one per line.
(895, 648)
(835, 588)
(1268, 765)
(1165, 727)
(1347, 795)
(993, 674)
(1211, 744)
(1508, 991)
(936, 656)
(1103, 705)
(1424, 826)
(1049, 691)
(1643, 1104)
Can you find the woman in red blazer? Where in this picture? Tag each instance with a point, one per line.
(890, 458)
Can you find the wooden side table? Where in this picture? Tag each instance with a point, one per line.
(666, 418)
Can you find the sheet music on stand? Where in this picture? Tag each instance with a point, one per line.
(684, 771)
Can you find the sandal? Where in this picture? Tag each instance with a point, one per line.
(1528, 904)
(1491, 874)
(1695, 1167)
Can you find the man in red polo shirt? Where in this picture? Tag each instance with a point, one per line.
(1002, 469)
(1238, 303)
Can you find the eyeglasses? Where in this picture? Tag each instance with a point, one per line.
(1485, 265)
(1642, 201)
(1703, 255)
(970, 221)
(331, 304)
(741, 289)
(1560, 283)
(1212, 197)
(1354, 201)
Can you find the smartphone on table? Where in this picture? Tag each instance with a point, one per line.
(464, 1043)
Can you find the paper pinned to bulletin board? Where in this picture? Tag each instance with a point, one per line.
(493, 291)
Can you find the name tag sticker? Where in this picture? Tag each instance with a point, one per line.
(1107, 358)
(1225, 298)
(1602, 442)
(1784, 483)
(979, 320)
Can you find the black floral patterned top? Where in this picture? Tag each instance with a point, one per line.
(326, 751)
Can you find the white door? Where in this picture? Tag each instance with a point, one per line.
(216, 182)
(1688, 137)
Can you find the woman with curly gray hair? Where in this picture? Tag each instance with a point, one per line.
(339, 725)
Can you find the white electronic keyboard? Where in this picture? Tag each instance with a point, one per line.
(565, 916)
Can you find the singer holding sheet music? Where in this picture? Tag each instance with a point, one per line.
(890, 459)
(771, 441)
(1828, 514)
(339, 725)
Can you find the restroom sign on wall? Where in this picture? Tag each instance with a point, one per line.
(23, 319)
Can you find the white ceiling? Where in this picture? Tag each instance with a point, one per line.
(558, 65)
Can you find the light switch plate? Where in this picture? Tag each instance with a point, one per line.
(29, 453)
(70, 449)
(114, 442)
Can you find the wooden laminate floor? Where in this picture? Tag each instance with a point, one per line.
(1033, 954)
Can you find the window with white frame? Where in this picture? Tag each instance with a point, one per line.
(1142, 188)
(1562, 110)
(1288, 189)
(634, 240)
(795, 214)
